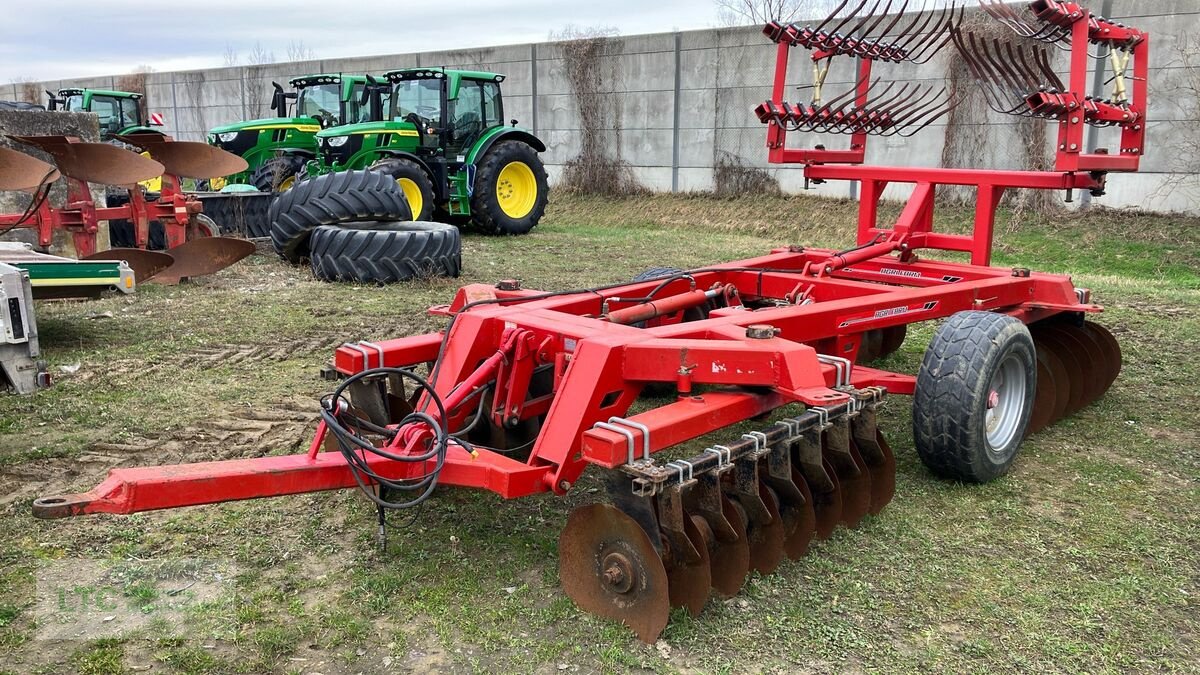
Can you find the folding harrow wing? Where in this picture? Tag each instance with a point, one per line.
(646, 381)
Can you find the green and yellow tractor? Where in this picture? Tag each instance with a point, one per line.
(446, 142)
(277, 149)
(120, 112)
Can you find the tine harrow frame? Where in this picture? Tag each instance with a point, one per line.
(80, 163)
(524, 390)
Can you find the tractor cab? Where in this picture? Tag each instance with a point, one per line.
(277, 148)
(444, 138)
(120, 112)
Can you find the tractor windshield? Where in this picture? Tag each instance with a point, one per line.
(322, 102)
(420, 97)
(75, 103)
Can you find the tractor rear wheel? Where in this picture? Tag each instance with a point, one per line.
(974, 396)
(328, 200)
(385, 252)
(278, 174)
(413, 181)
(511, 191)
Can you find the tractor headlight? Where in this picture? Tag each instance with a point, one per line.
(227, 137)
(336, 141)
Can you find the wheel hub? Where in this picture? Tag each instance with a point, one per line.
(618, 573)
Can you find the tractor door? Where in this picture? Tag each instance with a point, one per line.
(115, 113)
(478, 108)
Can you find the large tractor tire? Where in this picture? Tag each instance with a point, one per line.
(413, 181)
(328, 200)
(278, 174)
(511, 191)
(385, 252)
(974, 396)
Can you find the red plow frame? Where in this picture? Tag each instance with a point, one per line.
(526, 389)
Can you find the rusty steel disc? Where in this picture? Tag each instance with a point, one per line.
(730, 560)
(145, 264)
(827, 503)
(1042, 412)
(1091, 359)
(609, 567)
(1111, 349)
(189, 159)
(96, 162)
(854, 480)
(893, 339)
(766, 539)
(881, 463)
(688, 584)
(206, 255)
(1062, 381)
(1070, 354)
(19, 171)
(799, 521)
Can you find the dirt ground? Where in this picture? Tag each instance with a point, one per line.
(1083, 559)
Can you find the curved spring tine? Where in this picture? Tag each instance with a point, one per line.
(1042, 59)
(994, 89)
(920, 99)
(942, 113)
(831, 17)
(1019, 86)
(826, 115)
(899, 13)
(856, 32)
(850, 122)
(849, 17)
(924, 53)
(869, 118)
(934, 109)
(915, 31)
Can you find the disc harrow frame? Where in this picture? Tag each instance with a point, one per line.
(526, 389)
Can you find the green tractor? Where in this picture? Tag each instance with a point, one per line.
(277, 149)
(445, 141)
(120, 112)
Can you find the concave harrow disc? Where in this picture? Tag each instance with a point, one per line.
(145, 264)
(609, 568)
(19, 171)
(1076, 365)
(96, 162)
(746, 506)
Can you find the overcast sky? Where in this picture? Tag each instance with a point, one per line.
(54, 39)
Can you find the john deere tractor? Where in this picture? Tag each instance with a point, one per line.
(445, 141)
(120, 112)
(278, 148)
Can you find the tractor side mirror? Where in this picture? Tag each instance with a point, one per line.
(513, 121)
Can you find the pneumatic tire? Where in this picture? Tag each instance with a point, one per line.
(413, 181)
(974, 396)
(384, 253)
(511, 191)
(328, 200)
(278, 174)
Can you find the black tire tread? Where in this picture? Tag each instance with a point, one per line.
(399, 167)
(328, 200)
(384, 253)
(486, 213)
(948, 414)
(269, 174)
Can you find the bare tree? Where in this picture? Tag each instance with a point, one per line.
(298, 51)
(757, 12)
(260, 55)
(231, 57)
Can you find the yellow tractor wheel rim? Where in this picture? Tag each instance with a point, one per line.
(412, 192)
(287, 183)
(516, 190)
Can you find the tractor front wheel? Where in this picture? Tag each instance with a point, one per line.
(278, 174)
(413, 181)
(511, 191)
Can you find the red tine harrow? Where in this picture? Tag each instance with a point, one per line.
(194, 249)
(524, 390)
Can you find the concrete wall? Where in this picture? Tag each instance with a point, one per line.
(36, 123)
(683, 104)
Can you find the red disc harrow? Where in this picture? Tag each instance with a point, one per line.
(524, 389)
